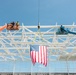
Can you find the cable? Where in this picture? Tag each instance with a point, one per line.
(38, 11)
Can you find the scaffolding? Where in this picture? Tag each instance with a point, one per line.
(15, 44)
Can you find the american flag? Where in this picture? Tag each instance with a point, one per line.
(38, 54)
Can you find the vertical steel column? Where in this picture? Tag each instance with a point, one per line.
(67, 66)
(31, 68)
(14, 68)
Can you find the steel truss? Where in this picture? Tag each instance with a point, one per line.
(15, 45)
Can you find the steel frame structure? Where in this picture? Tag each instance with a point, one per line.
(15, 45)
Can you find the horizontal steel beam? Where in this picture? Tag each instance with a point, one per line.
(21, 48)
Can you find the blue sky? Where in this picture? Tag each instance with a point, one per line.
(26, 11)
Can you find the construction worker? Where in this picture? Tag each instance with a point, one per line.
(13, 23)
(17, 23)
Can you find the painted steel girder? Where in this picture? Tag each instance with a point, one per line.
(16, 44)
